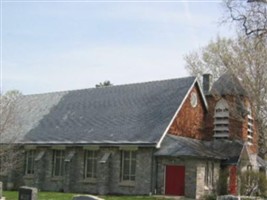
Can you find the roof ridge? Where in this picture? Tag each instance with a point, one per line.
(107, 87)
(147, 82)
(45, 93)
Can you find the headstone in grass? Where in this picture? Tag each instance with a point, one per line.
(86, 197)
(28, 193)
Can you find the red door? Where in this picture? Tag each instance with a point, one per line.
(233, 180)
(175, 180)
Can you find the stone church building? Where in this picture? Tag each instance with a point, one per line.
(169, 137)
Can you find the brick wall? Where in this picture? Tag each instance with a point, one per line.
(238, 120)
(190, 120)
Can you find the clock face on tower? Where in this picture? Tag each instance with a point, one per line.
(193, 99)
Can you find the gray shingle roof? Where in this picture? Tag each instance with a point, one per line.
(183, 146)
(228, 148)
(228, 84)
(126, 114)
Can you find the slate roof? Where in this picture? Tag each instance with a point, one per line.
(230, 149)
(228, 84)
(182, 146)
(174, 146)
(126, 114)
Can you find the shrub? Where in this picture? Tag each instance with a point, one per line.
(222, 187)
(211, 196)
(263, 184)
(253, 183)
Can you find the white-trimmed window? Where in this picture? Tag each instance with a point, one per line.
(221, 119)
(58, 163)
(250, 126)
(29, 162)
(206, 177)
(90, 164)
(212, 174)
(128, 165)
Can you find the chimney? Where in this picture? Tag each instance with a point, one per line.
(206, 84)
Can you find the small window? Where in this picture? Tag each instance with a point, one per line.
(3, 164)
(249, 168)
(212, 174)
(90, 164)
(128, 165)
(249, 171)
(29, 162)
(250, 130)
(58, 163)
(206, 177)
(209, 174)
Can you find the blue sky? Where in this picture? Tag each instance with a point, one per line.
(64, 45)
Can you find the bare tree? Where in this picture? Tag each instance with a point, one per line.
(247, 60)
(249, 16)
(7, 116)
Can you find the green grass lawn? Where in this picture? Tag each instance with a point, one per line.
(11, 195)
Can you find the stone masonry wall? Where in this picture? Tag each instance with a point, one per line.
(194, 175)
(108, 174)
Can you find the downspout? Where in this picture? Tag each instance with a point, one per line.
(152, 183)
(156, 179)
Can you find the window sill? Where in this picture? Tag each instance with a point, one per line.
(89, 181)
(127, 183)
(28, 176)
(250, 136)
(208, 188)
(250, 143)
(57, 178)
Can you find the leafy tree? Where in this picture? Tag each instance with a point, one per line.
(247, 59)
(104, 84)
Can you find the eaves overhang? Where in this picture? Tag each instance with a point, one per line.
(192, 156)
(77, 144)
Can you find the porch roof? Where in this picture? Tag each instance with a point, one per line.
(226, 150)
(182, 146)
